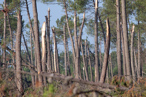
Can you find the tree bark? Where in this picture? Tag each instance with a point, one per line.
(118, 39)
(125, 35)
(106, 55)
(49, 63)
(136, 67)
(65, 51)
(4, 34)
(132, 59)
(139, 63)
(76, 46)
(44, 50)
(18, 54)
(96, 41)
(37, 41)
(32, 76)
(124, 60)
(55, 61)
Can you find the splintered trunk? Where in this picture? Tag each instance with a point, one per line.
(139, 64)
(85, 66)
(55, 61)
(37, 42)
(89, 60)
(44, 50)
(118, 39)
(125, 35)
(18, 54)
(49, 63)
(4, 35)
(132, 59)
(65, 51)
(106, 54)
(96, 41)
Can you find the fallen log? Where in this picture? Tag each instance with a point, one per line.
(65, 79)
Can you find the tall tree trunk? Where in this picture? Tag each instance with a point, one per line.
(107, 77)
(73, 50)
(100, 55)
(37, 41)
(96, 41)
(18, 54)
(136, 67)
(124, 60)
(65, 51)
(106, 54)
(52, 57)
(49, 63)
(85, 65)
(79, 41)
(118, 39)
(76, 46)
(58, 69)
(44, 50)
(125, 35)
(132, 59)
(139, 63)
(89, 60)
(32, 76)
(4, 35)
(32, 35)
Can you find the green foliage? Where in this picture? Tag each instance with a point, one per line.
(115, 70)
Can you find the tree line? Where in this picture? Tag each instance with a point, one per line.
(117, 28)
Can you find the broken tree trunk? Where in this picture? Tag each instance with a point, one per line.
(106, 54)
(49, 63)
(18, 55)
(132, 59)
(44, 50)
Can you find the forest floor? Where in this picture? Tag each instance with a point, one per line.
(58, 89)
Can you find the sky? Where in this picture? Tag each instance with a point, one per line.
(56, 11)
